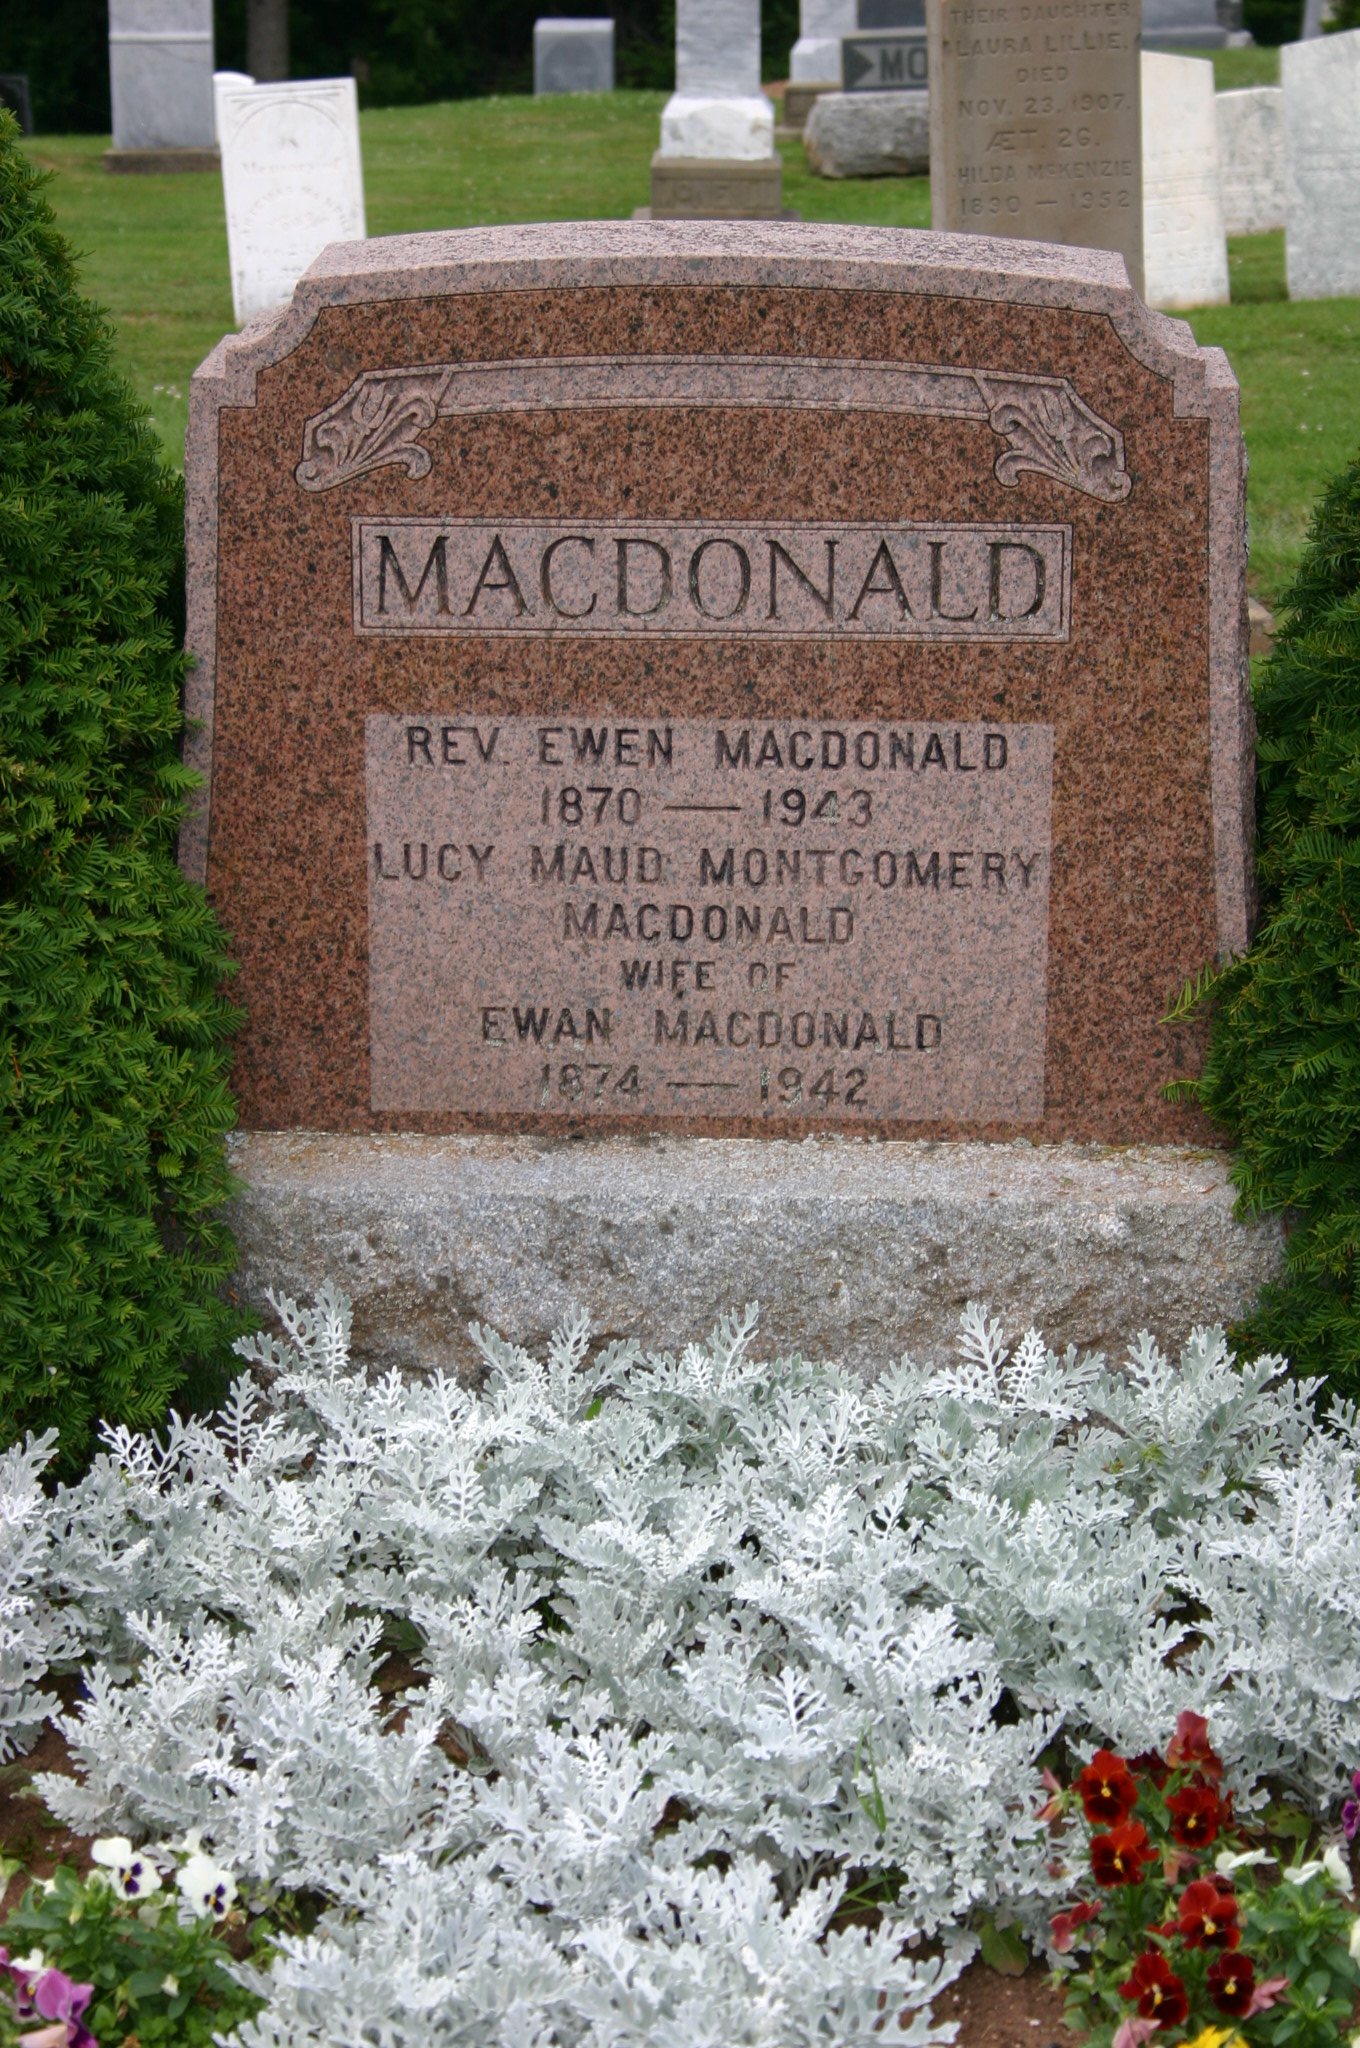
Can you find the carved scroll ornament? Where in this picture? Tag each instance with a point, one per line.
(381, 421)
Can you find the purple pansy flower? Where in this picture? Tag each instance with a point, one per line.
(1350, 1812)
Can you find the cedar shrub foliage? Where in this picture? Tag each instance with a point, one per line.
(113, 1061)
(1283, 1067)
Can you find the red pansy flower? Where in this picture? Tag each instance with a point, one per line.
(1147, 1764)
(1107, 1791)
(1159, 1991)
(1207, 1917)
(1119, 1856)
(1065, 1925)
(1232, 1984)
(1196, 1815)
(1188, 1749)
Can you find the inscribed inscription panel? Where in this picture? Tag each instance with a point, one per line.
(652, 920)
(682, 498)
(1034, 122)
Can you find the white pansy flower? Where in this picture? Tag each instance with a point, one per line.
(34, 1961)
(1338, 1869)
(207, 1887)
(1225, 1863)
(1303, 1873)
(131, 1871)
(170, 1986)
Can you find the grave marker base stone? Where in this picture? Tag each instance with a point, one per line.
(161, 162)
(700, 680)
(854, 1251)
(716, 188)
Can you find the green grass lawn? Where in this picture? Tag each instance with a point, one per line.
(154, 252)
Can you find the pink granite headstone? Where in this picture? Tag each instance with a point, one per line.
(742, 679)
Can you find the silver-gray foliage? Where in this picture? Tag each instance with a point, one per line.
(695, 1644)
(29, 1631)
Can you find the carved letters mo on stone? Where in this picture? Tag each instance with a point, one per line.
(739, 678)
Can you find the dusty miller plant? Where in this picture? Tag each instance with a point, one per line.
(703, 1650)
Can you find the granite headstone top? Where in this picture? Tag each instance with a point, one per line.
(734, 679)
(1034, 122)
(160, 74)
(292, 178)
(1251, 158)
(573, 55)
(1321, 87)
(1185, 252)
(1182, 25)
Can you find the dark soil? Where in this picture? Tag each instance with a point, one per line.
(992, 2011)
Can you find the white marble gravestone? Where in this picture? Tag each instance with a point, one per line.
(816, 57)
(160, 73)
(1321, 85)
(1251, 159)
(573, 55)
(221, 81)
(293, 181)
(717, 109)
(1185, 252)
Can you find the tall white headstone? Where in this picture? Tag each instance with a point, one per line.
(717, 108)
(816, 58)
(1185, 251)
(293, 181)
(1251, 159)
(160, 73)
(1321, 85)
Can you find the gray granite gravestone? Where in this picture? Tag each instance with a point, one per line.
(160, 79)
(1035, 124)
(1177, 25)
(14, 94)
(573, 56)
(869, 135)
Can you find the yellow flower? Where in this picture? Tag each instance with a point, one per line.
(1217, 2037)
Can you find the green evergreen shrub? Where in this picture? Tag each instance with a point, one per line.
(1283, 1066)
(113, 1030)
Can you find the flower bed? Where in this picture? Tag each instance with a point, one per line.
(724, 1688)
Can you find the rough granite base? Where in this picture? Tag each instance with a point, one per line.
(869, 135)
(855, 1250)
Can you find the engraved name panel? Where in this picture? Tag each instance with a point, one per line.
(654, 918)
(783, 582)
